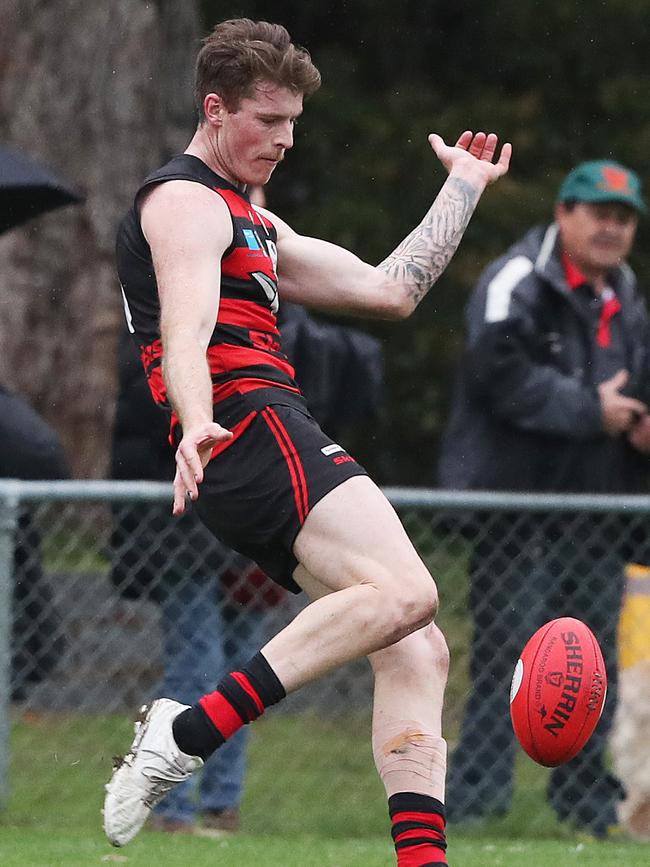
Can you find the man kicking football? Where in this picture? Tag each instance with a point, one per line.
(201, 271)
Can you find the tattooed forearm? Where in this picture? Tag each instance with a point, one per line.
(421, 258)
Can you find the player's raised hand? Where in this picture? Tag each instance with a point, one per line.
(192, 455)
(473, 155)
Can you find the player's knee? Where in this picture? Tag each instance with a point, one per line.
(421, 604)
(415, 607)
(438, 649)
(425, 650)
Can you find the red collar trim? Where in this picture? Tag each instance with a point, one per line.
(572, 273)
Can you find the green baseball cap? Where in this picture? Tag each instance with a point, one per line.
(602, 181)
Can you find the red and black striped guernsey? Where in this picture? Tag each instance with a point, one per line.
(247, 365)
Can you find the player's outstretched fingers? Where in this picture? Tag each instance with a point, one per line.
(180, 493)
(504, 159)
(464, 140)
(477, 145)
(188, 467)
(489, 147)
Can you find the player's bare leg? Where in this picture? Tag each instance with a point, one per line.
(353, 548)
(409, 750)
(408, 747)
(410, 679)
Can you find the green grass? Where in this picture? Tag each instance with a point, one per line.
(312, 799)
(47, 847)
(51, 848)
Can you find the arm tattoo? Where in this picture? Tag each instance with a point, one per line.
(423, 255)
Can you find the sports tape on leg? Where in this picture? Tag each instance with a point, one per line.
(410, 759)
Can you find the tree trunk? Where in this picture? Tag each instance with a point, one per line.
(100, 92)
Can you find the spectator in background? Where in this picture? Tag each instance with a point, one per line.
(30, 450)
(552, 395)
(207, 591)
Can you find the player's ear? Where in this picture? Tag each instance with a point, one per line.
(213, 109)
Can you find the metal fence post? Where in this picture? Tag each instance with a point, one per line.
(9, 498)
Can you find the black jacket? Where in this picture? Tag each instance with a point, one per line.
(526, 412)
(30, 449)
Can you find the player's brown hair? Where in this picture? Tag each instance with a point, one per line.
(240, 52)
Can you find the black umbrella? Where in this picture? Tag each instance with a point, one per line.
(28, 189)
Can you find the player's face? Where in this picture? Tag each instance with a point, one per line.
(252, 140)
(597, 236)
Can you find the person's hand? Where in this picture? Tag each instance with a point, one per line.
(472, 156)
(192, 455)
(639, 434)
(618, 412)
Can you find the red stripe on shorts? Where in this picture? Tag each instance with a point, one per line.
(299, 466)
(294, 464)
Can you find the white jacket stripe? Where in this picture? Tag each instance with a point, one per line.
(501, 287)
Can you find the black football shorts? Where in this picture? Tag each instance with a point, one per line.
(258, 491)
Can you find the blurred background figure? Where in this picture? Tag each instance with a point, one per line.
(630, 753)
(212, 600)
(552, 395)
(30, 448)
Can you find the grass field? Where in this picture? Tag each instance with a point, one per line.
(296, 812)
(47, 847)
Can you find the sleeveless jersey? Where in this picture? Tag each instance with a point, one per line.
(247, 366)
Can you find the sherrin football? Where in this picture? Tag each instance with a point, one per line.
(558, 691)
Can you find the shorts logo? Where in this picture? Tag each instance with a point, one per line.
(331, 448)
(343, 459)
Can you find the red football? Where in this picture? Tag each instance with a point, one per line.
(558, 691)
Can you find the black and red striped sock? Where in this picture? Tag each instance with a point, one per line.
(418, 829)
(241, 697)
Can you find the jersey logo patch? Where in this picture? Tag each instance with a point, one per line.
(252, 241)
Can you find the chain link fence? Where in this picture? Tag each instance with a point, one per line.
(100, 587)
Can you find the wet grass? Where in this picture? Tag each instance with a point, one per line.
(312, 798)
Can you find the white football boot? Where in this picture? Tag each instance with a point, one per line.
(152, 767)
